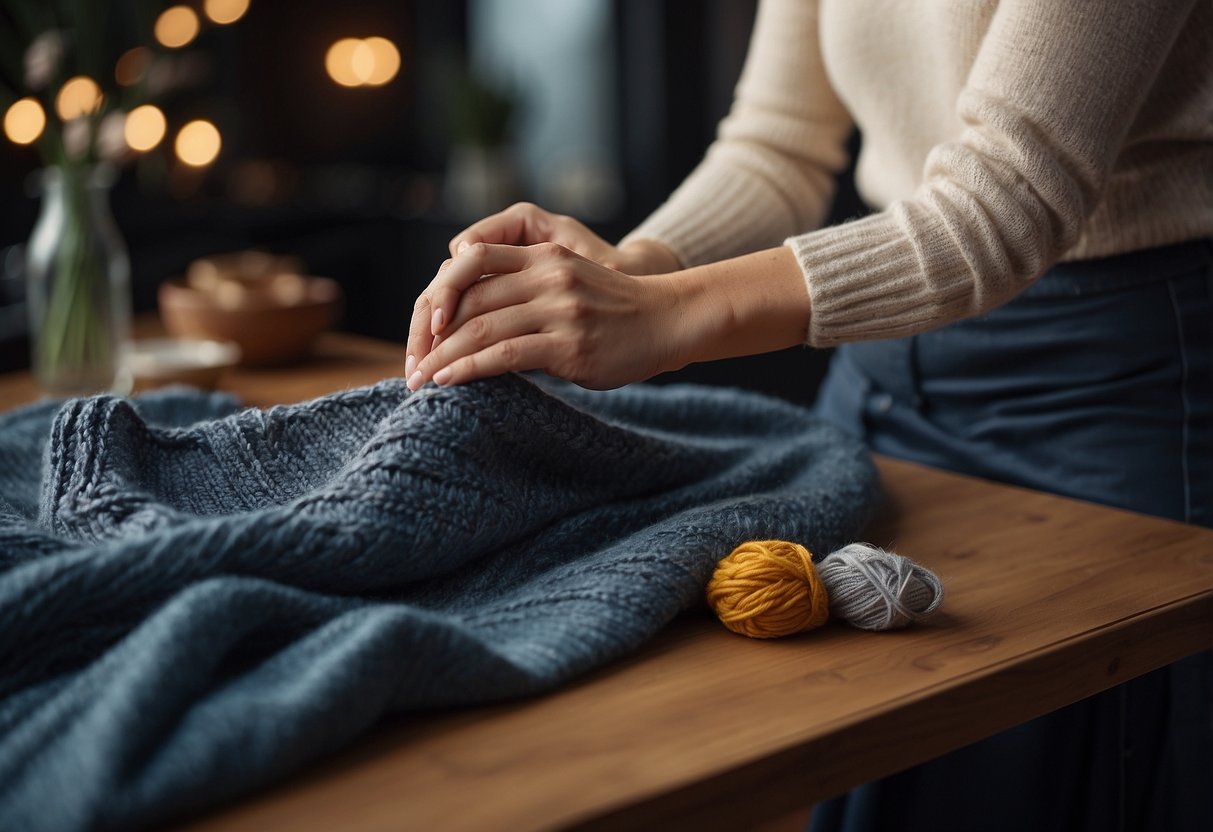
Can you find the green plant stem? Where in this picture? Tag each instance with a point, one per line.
(74, 338)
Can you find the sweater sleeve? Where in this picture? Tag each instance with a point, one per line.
(770, 172)
(1046, 108)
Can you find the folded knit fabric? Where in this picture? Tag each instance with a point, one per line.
(195, 601)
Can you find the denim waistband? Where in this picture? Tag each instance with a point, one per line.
(1122, 271)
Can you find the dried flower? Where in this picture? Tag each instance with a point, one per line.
(43, 59)
(111, 137)
(77, 136)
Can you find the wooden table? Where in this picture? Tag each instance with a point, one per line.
(1049, 600)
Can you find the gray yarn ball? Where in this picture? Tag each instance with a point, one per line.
(877, 590)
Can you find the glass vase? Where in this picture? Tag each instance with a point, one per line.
(78, 277)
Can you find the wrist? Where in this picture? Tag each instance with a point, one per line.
(744, 306)
(645, 257)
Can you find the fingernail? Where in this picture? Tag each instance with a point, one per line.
(442, 376)
(436, 322)
(415, 380)
(410, 364)
(462, 245)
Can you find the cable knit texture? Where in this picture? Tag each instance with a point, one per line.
(999, 137)
(188, 613)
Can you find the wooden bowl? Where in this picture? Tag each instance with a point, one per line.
(270, 327)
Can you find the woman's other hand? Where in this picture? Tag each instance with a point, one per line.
(498, 308)
(524, 224)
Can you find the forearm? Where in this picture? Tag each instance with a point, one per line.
(747, 305)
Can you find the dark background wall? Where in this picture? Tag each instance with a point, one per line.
(351, 180)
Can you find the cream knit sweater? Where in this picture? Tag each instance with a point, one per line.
(998, 138)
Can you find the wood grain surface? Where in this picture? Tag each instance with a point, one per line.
(1049, 600)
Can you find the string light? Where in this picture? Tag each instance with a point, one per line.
(177, 26)
(224, 12)
(386, 61)
(340, 62)
(144, 128)
(358, 62)
(362, 61)
(24, 121)
(79, 96)
(198, 143)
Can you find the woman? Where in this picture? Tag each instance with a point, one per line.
(1031, 301)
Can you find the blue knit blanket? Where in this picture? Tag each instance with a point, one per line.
(196, 600)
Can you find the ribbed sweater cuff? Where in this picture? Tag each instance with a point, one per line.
(866, 281)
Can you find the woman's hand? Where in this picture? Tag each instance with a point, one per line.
(496, 308)
(524, 224)
(493, 309)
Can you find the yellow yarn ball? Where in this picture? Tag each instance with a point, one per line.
(768, 589)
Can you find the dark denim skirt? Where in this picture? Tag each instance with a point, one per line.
(1095, 383)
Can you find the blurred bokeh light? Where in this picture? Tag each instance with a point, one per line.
(359, 62)
(24, 121)
(177, 26)
(339, 61)
(198, 143)
(79, 96)
(144, 128)
(386, 61)
(224, 12)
